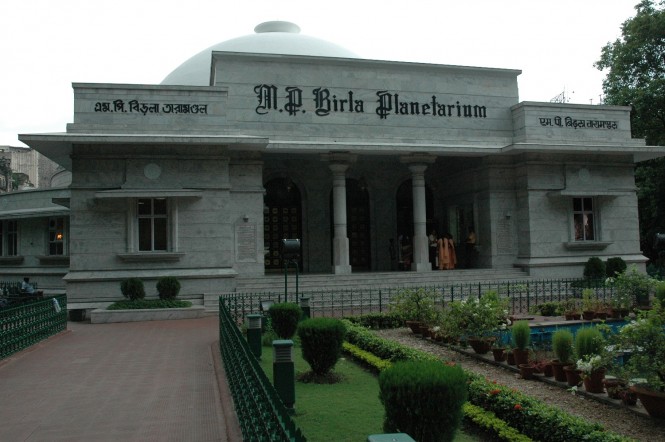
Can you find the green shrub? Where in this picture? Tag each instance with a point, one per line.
(148, 304)
(369, 360)
(660, 292)
(423, 399)
(168, 287)
(284, 318)
(614, 266)
(132, 288)
(490, 423)
(594, 268)
(562, 345)
(321, 341)
(589, 342)
(378, 321)
(521, 333)
(548, 309)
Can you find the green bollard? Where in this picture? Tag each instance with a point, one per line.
(254, 334)
(284, 372)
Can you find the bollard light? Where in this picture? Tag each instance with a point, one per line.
(304, 305)
(254, 334)
(283, 372)
(392, 437)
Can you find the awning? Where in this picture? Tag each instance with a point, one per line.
(40, 212)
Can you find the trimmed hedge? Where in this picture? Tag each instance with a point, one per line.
(378, 321)
(284, 318)
(490, 423)
(423, 399)
(321, 341)
(148, 304)
(532, 418)
(132, 289)
(594, 269)
(168, 287)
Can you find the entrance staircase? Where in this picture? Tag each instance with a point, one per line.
(274, 283)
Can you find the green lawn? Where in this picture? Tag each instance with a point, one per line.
(347, 411)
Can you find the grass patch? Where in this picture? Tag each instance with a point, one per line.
(127, 304)
(349, 410)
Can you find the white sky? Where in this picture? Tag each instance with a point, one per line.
(46, 45)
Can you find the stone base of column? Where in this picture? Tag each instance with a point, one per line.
(421, 266)
(342, 270)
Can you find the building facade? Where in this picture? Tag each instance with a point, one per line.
(202, 176)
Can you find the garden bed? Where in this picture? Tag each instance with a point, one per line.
(100, 316)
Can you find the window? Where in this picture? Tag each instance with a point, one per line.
(584, 219)
(152, 223)
(8, 238)
(56, 236)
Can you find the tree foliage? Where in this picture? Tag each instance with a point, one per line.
(635, 66)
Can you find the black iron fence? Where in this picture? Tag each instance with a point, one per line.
(522, 296)
(30, 322)
(261, 414)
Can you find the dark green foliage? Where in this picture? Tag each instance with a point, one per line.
(548, 309)
(284, 318)
(562, 344)
(660, 292)
(594, 268)
(321, 340)
(378, 321)
(615, 266)
(168, 287)
(589, 342)
(148, 304)
(423, 399)
(521, 333)
(132, 289)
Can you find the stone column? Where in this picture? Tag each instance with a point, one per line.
(417, 166)
(340, 240)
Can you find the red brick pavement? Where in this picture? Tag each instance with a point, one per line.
(141, 381)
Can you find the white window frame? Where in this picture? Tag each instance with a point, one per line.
(133, 243)
(583, 213)
(63, 233)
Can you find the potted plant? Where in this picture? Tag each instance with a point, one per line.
(521, 334)
(588, 304)
(416, 306)
(589, 349)
(481, 318)
(562, 345)
(570, 310)
(633, 287)
(645, 339)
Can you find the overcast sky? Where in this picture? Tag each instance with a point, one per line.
(46, 45)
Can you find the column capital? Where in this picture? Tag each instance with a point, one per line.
(339, 157)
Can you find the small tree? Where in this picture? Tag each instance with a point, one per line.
(132, 289)
(284, 318)
(168, 287)
(423, 399)
(321, 340)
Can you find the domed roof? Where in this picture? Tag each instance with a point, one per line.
(273, 37)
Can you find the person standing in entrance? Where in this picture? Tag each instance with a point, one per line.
(470, 250)
(433, 245)
(447, 255)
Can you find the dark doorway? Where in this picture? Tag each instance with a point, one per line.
(357, 224)
(282, 218)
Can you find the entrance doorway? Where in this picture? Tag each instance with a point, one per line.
(357, 224)
(282, 219)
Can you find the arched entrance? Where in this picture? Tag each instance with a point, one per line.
(282, 218)
(357, 224)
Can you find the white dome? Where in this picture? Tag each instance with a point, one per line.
(273, 37)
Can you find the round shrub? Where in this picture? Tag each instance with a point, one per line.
(521, 333)
(589, 342)
(562, 344)
(284, 318)
(423, 399)
(321, 340)
(168, 287)
(614, 266)
(132, 288)
(594, 268)
(660, 292)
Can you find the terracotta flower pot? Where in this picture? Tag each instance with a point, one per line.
(557, 368)
(521, 356)
(573, 375)
(527, 371)
(480, 345)
(548, 371)
(499, 354)
(628, 397)
(510, 357)
(414, 326)
(593, 382)
(588, 315)
(613, 387)
(653, 401)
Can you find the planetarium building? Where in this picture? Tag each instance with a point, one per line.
(278, 135)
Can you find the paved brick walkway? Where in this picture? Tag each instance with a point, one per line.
(143, 381)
